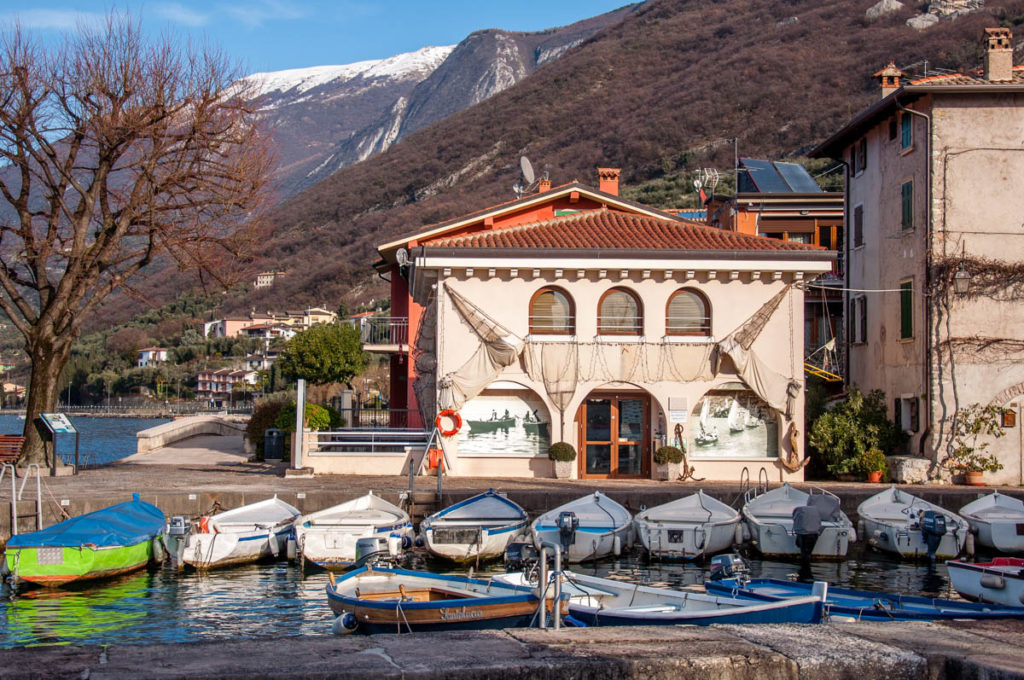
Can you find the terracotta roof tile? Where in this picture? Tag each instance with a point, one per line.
(614, 230)
(970, 78)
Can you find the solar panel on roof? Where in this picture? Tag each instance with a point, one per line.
(797, 178)
(765, 177)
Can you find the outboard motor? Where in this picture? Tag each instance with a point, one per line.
(567, 525)
(933, 528)
(520, 556)
(370, 550)
(178, 529)
(728, 566)
(807, 527)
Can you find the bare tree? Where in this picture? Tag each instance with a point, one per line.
(119, 152)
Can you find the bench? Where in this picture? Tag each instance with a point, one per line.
(10, 447)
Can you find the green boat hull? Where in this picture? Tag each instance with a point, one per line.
(57, 566)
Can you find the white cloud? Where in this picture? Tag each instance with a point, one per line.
(52, 19)
(179, 14)
(255, 14)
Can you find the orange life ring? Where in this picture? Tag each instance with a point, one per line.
(456, 422)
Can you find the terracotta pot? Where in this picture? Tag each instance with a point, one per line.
(875, 476)
(972, 478)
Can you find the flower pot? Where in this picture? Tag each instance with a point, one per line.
(875, 476)
(666, 472)
(563, 469)
(972, 478)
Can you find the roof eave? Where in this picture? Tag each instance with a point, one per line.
(628, 253)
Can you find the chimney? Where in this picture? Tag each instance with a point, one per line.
(543, 185)
(889, 78)
(608, 179)
(998, 55)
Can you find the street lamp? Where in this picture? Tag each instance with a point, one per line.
(961, 280)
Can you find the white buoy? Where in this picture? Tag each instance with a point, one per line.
(345, 624)
(159, 553)
(394, 545)
(737, 535)
(969, 544)
(291, 548)
(617, 545)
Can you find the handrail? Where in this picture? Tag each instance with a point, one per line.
(543, 583)
(17, 494)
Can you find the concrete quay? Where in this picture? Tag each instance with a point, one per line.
(895, 651)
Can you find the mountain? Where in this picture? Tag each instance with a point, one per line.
(327, 117)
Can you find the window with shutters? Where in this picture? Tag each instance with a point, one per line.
(859, 327)
(552, 312)
(906, 132)
(619, 313)
(907, 205)
(907, 309)
(688, 313)
(858, 226)
(862, 155)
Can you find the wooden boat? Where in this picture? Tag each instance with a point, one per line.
(327, 538)
(476, 528)
(377, 600)
(603, 602)
(688, 527)
(998, 522)
(604, 528)
(1000, 581)
(892, 521)
(707, 434)
(100, 544)
(863, 605)
(769, 518)
(246, 534)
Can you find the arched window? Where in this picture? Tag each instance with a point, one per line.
(619, 313)
(552, 312)
(688, 313)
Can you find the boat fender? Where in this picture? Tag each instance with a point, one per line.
(291, 548)
(275, 549)
(617, 545)
(993, 581)
(573, 622)
(406, 541)
(345, 624)
(969, 544)
(159, 553)
(394, 545)
(420, 542)
(737, 534)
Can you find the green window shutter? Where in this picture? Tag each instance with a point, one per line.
(906, 310)
(907, 218)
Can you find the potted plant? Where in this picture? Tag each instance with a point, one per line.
(966, 454)
(563, 454)
(846, 432)
(666, 461)
(873, 464)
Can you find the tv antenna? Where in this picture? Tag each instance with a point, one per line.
(402, 257)
(528, 181)
(709, 178)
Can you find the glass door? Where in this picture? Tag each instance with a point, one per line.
(613, 436)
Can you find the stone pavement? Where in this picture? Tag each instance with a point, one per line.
(207, 449)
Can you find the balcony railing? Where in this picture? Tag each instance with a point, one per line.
(385, 330)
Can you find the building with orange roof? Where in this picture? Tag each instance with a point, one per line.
(933, 246)
(572, 314)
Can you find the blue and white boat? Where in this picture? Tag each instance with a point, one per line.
(863, 605)
(998, 522)
(241, 535)
(911, 527)
(477, 528)
(327, 538)
(595, 526)
(378, 600)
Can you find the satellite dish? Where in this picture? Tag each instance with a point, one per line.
(697, 184)
(402, 257)
(527, 168)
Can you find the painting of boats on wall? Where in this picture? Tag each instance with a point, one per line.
(733, 423)
(505, 421)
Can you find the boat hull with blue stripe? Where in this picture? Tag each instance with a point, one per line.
(605, 528)
(863, 605)
(327, 538)
(242, 535)
(477, 528)
(379, 600)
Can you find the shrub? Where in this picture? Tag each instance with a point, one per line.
(264, 417)
(845, 433)
(872, 460)
(562, 451)
(317, 417)
(969, 423)
(668, 454)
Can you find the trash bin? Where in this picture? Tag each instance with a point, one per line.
(273, 444)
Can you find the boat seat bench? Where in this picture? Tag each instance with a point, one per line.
(10, 447)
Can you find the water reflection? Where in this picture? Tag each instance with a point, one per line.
(278, 600)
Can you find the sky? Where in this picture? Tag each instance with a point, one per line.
(273, 35)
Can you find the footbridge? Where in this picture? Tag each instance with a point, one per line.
(184, 428)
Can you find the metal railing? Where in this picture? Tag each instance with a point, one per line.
(385, 330)
(398, 418)
(359, 440)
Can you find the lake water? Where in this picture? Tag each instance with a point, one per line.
(277, 600)
(101, 440)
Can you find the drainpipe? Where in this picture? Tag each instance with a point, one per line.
(847, 236)
(929, 224)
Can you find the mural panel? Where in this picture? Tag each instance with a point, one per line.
(505, 421)
(732, 422)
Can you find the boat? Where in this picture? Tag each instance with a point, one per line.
(1000, 581)
(736, 417)
(492, 424)
(383, 600)
(750, 420)
(898, 522)
(688, 527)
(862, 605)
(327, 538)
(769, 517)
(108, 542)
(241, 535)
(997, 520)
(588, 528)
(597, 601)
(477, 528)
(708, 433)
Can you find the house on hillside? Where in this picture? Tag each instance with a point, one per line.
(228, 327)
(222, 386)
(934, 247)
(266, 279)
(781, 200)
(150, 356)
(575, 315)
